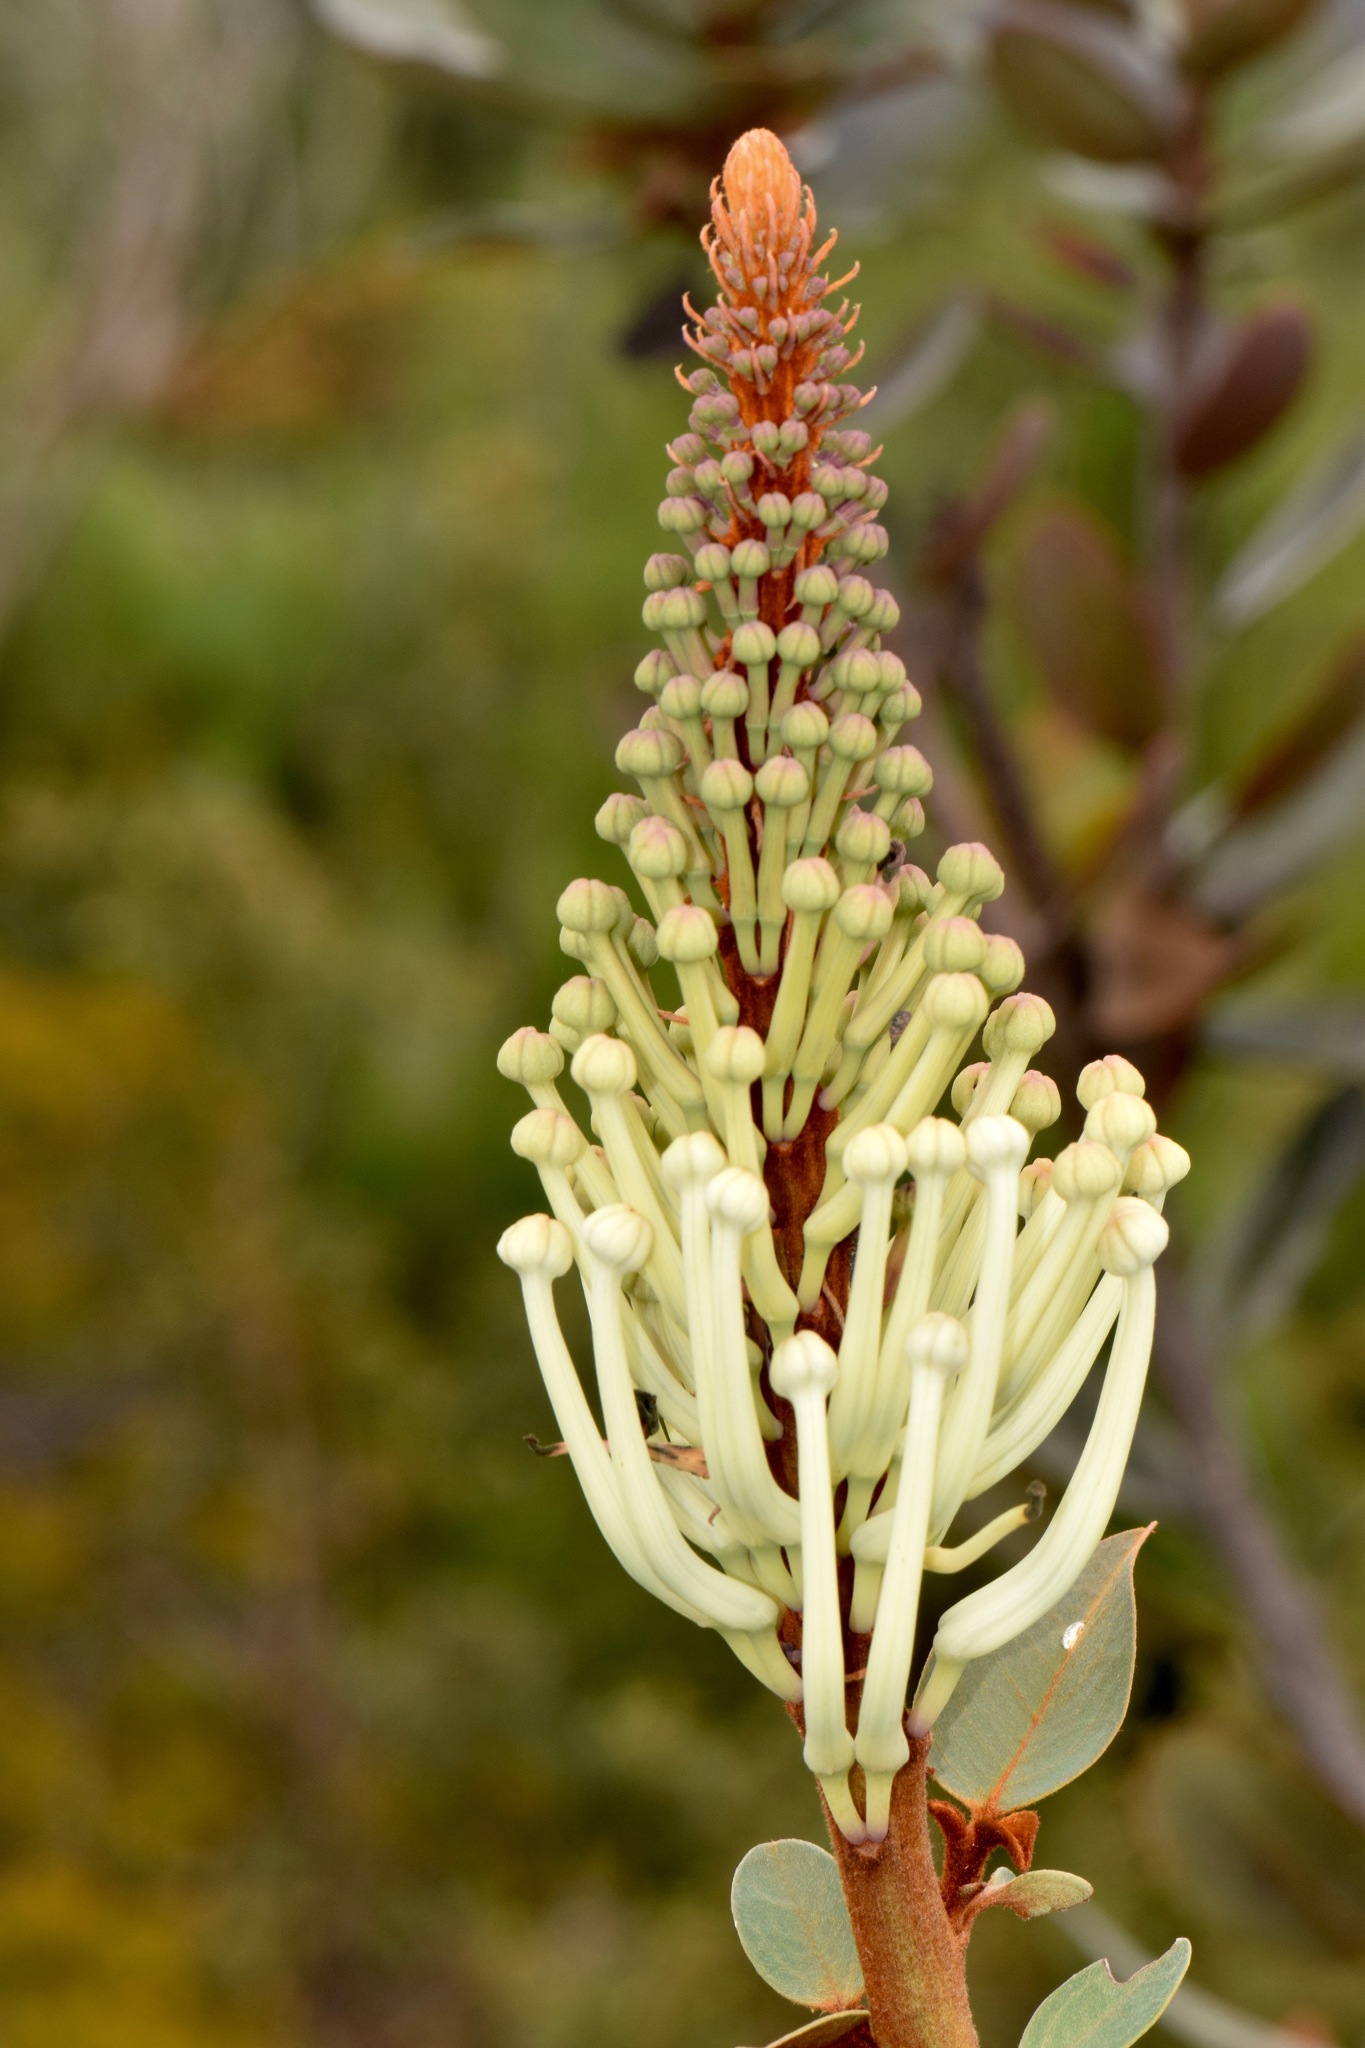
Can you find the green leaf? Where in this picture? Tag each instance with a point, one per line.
(1224, 33)
(1091, 2010)
(1082, 82)
(789, 1913)
(832, 2027)
(1037, 1892)
(1080, 612)
(1038, 1712)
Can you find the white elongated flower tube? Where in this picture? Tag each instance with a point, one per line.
(539, 1251)
(874, 1163)
(827, 1314)
(936, 1348)
(996, 1148)
(1133, 1240)
(803, 1370)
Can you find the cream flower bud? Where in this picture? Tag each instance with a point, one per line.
(618, 817)
(937, 1342)
(750, 559)
(803, 1364)
(863, 839)
(1134, 1237)
(693, 1160)
(782, 782)
(753, 643)
(972, 871)
(954, 945)
(1085, 1172)
(726, 786)
(858, 671)
(725, 695)
(955, 1002)
(736, 1054)
(584, 1004)
(879, 1153)
(995, 1143)
(1113, 1075)
(531, 1058)
(863, 913)
(738, 1199)
(1022, 1023)
(1003, 968)
(804, 728)
(1122, 1122)
(903, 771)
(604, 1066)
(1037, 1102)
(799, 644)
(811, 886)
(619, 1237)
(650, 754)
(1156, 1167)
(687, 935)
(815, 586)
(657, 850)
(680, 698)
(548, 1138)
(853, 737)
(935, 1146)
(537, 1244)
(587, 906)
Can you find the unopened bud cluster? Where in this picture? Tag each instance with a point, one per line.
(823, 1316)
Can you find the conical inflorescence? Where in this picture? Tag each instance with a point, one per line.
(823, 1315)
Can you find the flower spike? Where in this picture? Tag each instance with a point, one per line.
(829, 1291)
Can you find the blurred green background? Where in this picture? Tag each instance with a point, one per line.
(335, 393)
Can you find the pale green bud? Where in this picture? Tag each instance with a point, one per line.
(811, 886)
(531, 1058)
(687, 935)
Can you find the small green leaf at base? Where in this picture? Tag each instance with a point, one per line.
(832, 2027)
(1040, 1891)
(1091, 2010)
(793, 1925)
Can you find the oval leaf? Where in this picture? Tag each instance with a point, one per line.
(1041, 1891)
(1091, 2010)
(790, 1916)
(1256, 378)
(1223, 33)
(1038, 1712)
(1080, 613)
(833, 2027)
(1083, 82)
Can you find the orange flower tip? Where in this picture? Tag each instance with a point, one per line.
(759, 175)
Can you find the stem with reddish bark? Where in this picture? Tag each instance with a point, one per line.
(914, 1965)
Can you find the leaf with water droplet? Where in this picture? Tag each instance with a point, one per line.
(1091, 2010)
(789, 1913)
(1035, 1714)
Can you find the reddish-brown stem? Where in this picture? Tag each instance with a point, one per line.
(913, 1959)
